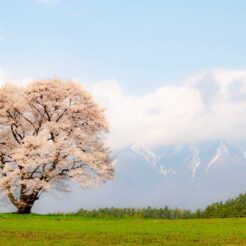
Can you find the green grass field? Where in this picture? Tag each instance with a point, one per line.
(74, 230)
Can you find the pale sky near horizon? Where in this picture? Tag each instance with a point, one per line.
(174, 70)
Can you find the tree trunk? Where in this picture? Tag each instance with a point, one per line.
(25, 209)
(23, 203)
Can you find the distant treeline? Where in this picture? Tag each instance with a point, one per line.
(228, 209)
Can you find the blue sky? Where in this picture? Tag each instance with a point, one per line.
(174, 70)
(140, 43)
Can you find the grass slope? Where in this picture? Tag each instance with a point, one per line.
(75, 230)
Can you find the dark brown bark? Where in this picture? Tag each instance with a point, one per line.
(12, 198)
(25, 206)
(24, 203)
(25, 209)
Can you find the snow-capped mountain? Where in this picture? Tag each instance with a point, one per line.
(188, 176)
(194, 159)
(185, 176)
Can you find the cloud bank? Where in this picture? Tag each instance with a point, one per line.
(3, 77)
(206, 106)
(209, 105)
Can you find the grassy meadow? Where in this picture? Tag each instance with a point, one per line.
(76, 230)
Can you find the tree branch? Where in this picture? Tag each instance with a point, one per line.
(14, 134)
(11, 197)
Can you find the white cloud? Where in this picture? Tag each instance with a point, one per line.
(6, 77)
(65, 7)
(48, 2)
(209, 105)
(3, 35)
(71, 11)
(3, 77)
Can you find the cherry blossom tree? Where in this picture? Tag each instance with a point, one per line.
(50, 133)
